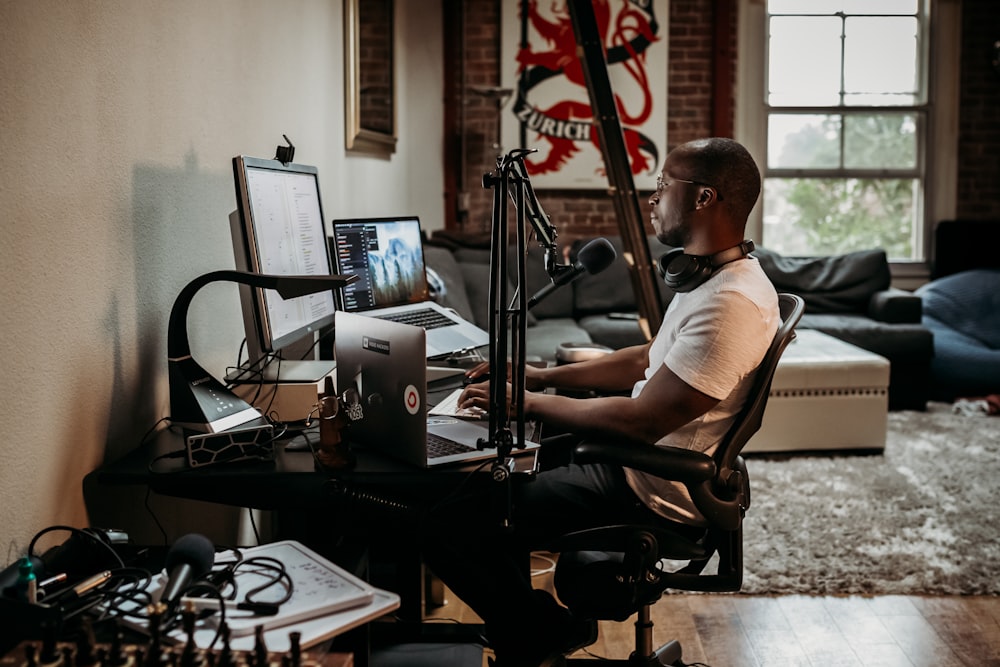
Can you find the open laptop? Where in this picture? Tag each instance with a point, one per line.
(388, 255)
(383, 361)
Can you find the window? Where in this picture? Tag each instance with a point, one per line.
(854, 130)
(846, 110)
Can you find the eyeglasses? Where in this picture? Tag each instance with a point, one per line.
(661, 185)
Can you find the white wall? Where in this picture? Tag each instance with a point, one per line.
(118, 122)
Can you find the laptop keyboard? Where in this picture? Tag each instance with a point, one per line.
(448, 407)
(428, 318)
(438, 447)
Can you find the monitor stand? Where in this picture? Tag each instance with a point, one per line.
(306, 370)
(289, 393)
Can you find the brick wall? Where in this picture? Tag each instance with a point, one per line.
(979, 115)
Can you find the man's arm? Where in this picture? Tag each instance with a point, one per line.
(614, 372)
(665, 404)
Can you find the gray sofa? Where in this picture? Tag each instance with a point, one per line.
(847, 296)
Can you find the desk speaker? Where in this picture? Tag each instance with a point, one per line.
(253, 441)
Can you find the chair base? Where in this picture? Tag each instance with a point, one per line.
(668, 655)
(644, 656)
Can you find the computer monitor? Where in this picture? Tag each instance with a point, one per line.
(278, 229)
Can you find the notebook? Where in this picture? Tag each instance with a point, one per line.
(383, 361)
(388, 255)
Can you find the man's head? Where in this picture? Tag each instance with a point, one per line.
(704, 194)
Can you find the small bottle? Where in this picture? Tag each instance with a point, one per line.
(333, 453)
(27, 582)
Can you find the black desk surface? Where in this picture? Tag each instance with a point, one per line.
(290, 481)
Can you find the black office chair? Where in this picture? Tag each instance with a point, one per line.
(613, 572)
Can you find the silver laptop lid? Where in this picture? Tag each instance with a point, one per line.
(385, 362)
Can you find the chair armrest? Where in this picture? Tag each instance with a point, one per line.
(680, 465)
(895, 306)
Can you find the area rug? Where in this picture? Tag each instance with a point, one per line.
(921, 518)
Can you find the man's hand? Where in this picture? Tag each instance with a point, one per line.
(481, 373)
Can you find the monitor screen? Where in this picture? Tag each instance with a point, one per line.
(387, 255)
(278, 229)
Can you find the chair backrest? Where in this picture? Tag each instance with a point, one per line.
(722, 501)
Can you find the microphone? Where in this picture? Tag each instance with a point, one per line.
(189, 558)
(592, 258)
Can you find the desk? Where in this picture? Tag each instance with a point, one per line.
(311, 504)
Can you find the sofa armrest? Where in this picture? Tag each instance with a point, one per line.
(895, 306)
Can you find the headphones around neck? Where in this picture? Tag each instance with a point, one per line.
(683, 273)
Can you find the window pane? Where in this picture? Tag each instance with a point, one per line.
(797, 141)
(834, 216)
(880, 56)
(846, 6)
(880, 141)
(804, 61)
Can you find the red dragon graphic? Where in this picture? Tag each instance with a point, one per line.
(568, 122)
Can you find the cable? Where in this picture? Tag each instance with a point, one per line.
(270, 564)
(152, 514)
(87, 534)
(253, 525)
(551, 567)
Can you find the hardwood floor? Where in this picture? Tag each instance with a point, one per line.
(807, 631)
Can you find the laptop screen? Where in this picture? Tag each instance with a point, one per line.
(388, 256)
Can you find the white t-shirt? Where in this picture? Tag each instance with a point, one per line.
(713, 338)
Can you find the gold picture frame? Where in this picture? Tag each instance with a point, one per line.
(370, 77)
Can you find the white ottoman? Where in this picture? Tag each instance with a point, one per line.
(826, 394)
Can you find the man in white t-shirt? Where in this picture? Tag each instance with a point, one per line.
(683, 388)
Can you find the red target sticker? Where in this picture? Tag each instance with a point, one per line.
(411, 399)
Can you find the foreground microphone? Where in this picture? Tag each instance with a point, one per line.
(189, 558)
(592, 258)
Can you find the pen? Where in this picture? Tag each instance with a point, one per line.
(45, 584)
(88, 585)
(57, 579)
(202, 604)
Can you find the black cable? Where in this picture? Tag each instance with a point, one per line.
(458, 487)
(253, 525)
(152, 429)
(152, 514)
(84, 534)
(213, 591)
(267, 563)
(126, 594)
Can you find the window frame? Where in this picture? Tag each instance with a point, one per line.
(937, 148)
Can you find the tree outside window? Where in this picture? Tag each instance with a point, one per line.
(846, 124)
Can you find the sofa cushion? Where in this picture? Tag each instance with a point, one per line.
(895, 306)
(830, 284)
(611, 290)
(543, 340)
(557, 304)
(476, 278)
(442, 262)
(968, 302)
(616, 330)
(893, 341)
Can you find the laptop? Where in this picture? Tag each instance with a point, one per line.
(388, 255)
(383, 361)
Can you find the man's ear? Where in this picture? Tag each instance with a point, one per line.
(706, 196)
